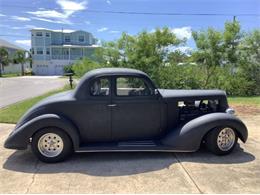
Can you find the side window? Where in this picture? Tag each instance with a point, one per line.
(132, 86)
(100, 87)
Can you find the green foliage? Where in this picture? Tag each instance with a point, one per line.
(4, 59)
(21, 57)
(85, 65)
(228, 59)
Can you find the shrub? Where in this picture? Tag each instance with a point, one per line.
(85, 65)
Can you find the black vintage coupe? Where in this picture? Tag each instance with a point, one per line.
(118, 109)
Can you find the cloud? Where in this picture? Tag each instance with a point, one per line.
(183, 32)
(102, 29)
(108, 2)
(23, 19)
(23, 27)
(52, 21)
(2, 15)
(68, 8)
(87, 22)
(24, 42)
(114, 31)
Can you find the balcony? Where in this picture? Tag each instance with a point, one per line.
(66, 57)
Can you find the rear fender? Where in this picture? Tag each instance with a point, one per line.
(20, 137)
(188, 137)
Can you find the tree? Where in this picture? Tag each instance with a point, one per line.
(209, 52)
(21, 57)
(146, 51)
(4, 59)
(215, 50)
(249, 61)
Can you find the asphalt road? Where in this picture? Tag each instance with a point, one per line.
(15, 89)
(199, 172)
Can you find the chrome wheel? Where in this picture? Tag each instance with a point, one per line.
(226, 139)
(50, 145)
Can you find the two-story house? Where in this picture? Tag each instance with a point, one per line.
(53, 49)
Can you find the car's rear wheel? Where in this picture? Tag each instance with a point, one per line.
(51, 145)
(221, 140)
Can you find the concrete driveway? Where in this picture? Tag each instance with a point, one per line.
(199, 172)
(15, 89)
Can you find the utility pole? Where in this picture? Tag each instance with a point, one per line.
(234, 18)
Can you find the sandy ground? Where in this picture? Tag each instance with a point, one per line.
(199, 172)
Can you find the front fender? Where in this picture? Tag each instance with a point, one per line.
(19, 138)
(188, 137)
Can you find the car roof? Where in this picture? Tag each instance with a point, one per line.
(80, 92)
(113, 71)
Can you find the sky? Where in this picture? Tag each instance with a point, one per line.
(17, 17)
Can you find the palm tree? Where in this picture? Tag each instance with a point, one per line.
(20, 57)
(4, 59)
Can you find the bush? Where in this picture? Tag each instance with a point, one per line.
(83, 66)
(174, 76)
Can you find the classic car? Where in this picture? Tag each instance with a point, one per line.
(119, 109)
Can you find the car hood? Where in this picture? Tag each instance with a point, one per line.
(170, 94)
(39, 108)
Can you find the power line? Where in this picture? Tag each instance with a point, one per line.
(168, 13)
(148, 13)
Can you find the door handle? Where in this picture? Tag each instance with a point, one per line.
(111, 105)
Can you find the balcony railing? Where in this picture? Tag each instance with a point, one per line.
(66, 57)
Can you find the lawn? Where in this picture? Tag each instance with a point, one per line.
(252, 101)
(12, 113)
(11, 75)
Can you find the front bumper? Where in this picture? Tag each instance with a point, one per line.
(16, 141)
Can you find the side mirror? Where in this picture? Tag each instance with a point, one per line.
(156, 92)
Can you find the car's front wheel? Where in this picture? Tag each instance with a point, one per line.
(51, 145)
(221, 140)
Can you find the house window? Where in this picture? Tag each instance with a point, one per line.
(47, 34)
(39, 51)
(48, 51)
(81, 38)
(67, 38)
(39, 34)
(32, 51)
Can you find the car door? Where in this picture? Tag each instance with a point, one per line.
(96, 113)
(135, 109)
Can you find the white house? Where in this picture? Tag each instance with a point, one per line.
(53, 49)
(11, 49)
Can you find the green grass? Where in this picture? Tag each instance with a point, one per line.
(11, 75)
(255, 101)
(12, 113)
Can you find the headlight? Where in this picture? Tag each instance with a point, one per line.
(230, 111)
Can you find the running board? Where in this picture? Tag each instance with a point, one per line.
(148, 143)
(128, 146)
